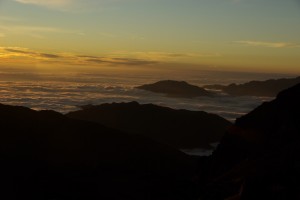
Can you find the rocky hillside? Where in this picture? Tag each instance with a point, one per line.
(177, 128)
(46, 155)
(258, 157)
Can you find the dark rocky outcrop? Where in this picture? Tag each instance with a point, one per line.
(176, 89)
(46, 155)
(269, 88)
(259, 158)
(177, 128)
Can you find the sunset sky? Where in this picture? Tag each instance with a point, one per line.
(242, 35)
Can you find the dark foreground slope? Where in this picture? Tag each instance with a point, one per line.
(45, 155)
(176, 89)
(259, 157)
(268, 88)
(178, 128)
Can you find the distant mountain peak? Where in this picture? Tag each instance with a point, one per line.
(268, 88)
(176, 89)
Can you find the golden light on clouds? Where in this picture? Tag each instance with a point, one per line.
(11, 54)
(268, 44)
(147, 33)
(114, 58)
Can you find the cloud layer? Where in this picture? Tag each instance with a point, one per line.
(72, 59)
(267, 44)
(113, 58)
(48, 3)
(65, 96)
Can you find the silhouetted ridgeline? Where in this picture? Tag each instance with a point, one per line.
(257, 88)
(176, 89)
(45, 155)
(178, 128)
(259, 157)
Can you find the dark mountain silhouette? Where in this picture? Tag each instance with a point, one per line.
(268, 88)
(176, 89)
(259, 158)
(178, 128)
(46, 155)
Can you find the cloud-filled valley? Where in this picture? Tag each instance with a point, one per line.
(65, 95)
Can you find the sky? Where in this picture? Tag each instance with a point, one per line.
(237, 35)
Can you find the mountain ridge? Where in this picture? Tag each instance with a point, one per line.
(177, 128)
(180, 89)
(46, 155)
(269, 88)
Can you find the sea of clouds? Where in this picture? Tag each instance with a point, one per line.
(65, 92)
(69, 96)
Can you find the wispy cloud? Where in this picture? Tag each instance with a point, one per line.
(267, 44)
(68, 58)
(166, 56)
(111, 59)
(121, 61)
(34, 31)
(73, 6)
(67, 5)
(10, 52)
(47, 3)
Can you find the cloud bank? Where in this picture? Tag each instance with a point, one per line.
(65, 96)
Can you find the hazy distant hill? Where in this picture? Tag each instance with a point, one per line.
(176, 89)
(259, 157)
(178, 128)
(257, 88)
(45, 155)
